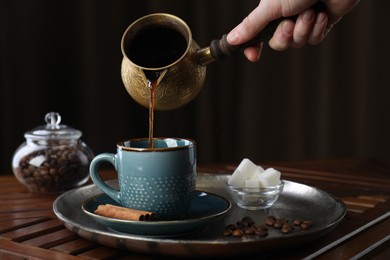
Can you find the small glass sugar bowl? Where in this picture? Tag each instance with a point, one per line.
(256, 198)
(53, 158)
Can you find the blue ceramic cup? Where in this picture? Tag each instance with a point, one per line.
(161, 179)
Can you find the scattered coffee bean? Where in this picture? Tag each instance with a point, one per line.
(238, 233)
(231, 227)
(306, 225)
(248, 220)
(287, 228)
(279, 224)
(262, 228)
(262, 233)
(250, 231)
(270, 221)
(227, 232)
(297, 222)
(247, 227)
(242, 227)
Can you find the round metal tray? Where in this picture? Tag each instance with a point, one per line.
(296, 201)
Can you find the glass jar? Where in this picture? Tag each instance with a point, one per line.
(53, 158)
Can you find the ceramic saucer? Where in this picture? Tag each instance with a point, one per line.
(205, 208)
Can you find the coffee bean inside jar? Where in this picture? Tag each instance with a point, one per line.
(53, 158)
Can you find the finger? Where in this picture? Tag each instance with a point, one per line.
(253, 53)
(248, 28)
(283, 36)
(303, 27)
(319, 29)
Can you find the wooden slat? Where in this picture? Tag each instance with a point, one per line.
(75, 247)
(355, 208)
(360, 204)
(33, 230)
(7, 225)
(381, 255)
(347, 229)
(379, 198)
(26, 205)
(330, 177)
(101, 253)
(359, 201)
(52, 239)
(13, 196)
(13, 250)
(48, 213)
(26, 195)
(357, 244)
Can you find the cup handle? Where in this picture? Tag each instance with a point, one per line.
(94, 173)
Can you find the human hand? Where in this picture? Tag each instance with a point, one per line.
(311, 25)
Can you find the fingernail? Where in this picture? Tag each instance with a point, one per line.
(321, 17)
(232, 37)
(308, 15)
(287, 28)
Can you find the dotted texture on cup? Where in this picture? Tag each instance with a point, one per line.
(168, 197)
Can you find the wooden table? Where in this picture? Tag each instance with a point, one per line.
(30, 230)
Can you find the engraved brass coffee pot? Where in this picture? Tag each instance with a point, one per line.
(160, 47)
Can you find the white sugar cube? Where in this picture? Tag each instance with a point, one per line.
(258, 171)
(270, 177)
(237, 179)
(243, 172)
(251, 187)
(252, 184)
(247, 167)
(251, 176)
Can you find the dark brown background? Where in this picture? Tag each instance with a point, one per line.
(326, 101)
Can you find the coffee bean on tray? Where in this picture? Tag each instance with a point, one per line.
(306, 225)
(237, 233)
(246, 226)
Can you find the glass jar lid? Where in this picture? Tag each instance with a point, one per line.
(53, 129)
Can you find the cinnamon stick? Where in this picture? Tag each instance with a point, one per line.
(112, 211)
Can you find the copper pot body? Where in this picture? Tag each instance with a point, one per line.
(184, 77)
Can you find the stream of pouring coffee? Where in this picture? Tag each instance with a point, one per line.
(152, 85)
(153, 78)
